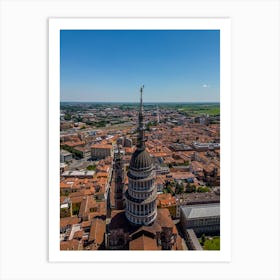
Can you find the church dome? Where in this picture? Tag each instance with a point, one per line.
(140, 160)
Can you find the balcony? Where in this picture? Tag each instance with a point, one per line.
(142, 213)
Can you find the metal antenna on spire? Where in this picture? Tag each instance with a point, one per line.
(141, 96)
(141, 137)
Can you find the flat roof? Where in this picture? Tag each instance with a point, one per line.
(65, 153)
(65, 205)
(201, 210)
(78, 173)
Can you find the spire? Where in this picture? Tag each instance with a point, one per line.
(118, 156)
(157, 115)
(141, 129)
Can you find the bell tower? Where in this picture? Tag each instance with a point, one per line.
(119, 181)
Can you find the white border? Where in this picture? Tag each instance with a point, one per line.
(55, 25)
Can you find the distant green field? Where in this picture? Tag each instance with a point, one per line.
(200, 109)
(212, 244)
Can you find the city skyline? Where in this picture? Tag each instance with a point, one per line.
(107, 65)
(127, 176)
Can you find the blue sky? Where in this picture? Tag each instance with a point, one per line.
(111, 65)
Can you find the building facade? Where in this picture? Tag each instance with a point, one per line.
(119, 181)
(65, 156)
(100, 151)
(202, 218)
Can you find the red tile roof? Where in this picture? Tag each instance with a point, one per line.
(101, 146)
(73, 244)
(97, 231)
(68, 221)
(143, 243)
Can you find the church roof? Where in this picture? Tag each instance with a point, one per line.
(140, 160)
(143, 243)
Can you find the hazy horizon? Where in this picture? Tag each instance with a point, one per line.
(137, 102)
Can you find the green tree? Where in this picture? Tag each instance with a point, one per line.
(167, 188)
(190, 188)
(203, 189)
(75, 208)
(66, 193)
(179, 188)
(64, 213)
(91, 167)
(67, 117)
(212, 244)
(203, 239)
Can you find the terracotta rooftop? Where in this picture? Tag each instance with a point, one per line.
(101, 146)
(166, 200)
(103, 168)
(73, 144)
(72, 244)
(79, 184)
(78, 234)
(129, 150)
(182, 175)
(86, 224)
(102, 174)
(196, 165)
(159, 154)
(164, 218)
(143, 243)
(69, 221)
(97, 231)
